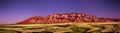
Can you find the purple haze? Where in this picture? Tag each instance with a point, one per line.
(13, 11)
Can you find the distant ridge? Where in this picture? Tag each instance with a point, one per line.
(66, 18)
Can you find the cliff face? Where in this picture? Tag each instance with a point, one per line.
(66, 18)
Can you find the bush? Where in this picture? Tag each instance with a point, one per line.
(8, 31)
(63, 25)
(79, 29)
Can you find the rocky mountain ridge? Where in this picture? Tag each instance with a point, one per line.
(66, 18)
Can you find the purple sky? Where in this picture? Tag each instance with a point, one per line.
(13, 11)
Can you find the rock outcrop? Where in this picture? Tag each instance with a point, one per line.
(66, 18)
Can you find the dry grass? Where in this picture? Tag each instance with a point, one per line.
(65, 27)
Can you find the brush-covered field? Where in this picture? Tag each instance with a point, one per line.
(94, 27)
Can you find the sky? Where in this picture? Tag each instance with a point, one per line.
(13, 11)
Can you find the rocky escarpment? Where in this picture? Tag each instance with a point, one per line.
(66, 18)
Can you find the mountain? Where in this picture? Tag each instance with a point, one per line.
(66, 18)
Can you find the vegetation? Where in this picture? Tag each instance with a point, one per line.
(63, 25)
(76, 29)
(61, 28)
(30, 28)
(9, 31)
(116, 28)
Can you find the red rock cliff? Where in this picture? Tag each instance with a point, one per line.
(66, 18)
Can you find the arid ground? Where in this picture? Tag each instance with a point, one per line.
(96, 27)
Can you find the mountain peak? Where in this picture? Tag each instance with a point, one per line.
(66, 18)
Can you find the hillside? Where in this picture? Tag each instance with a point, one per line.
(66, 18)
